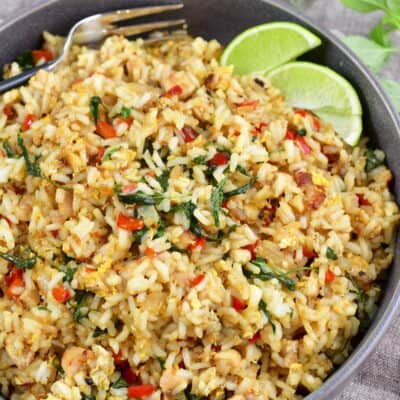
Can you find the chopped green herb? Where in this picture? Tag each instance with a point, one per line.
(140, 198)
(177, 249)
(200, 160)
(262, 305)
(188, 209)
(242, 170)
(161, 229)
(78, 303)
(161, 361)
(138, 235)
(88, 396)
(94, 104)
(42, 308)
(163, 180)
(25, 60)
(125, 112)
(330, 253)
(32, 167)
(10, 153)
(107, 156)
(217, 197)
(301, 132)
(189, 395)
(98, 332)
(119, 383)
(375, 158)
(268, 272)
(148, 146)
(69, 273)
(56, 363)
(240, 190)
(19, 262)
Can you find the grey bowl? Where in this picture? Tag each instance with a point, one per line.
(223, 19)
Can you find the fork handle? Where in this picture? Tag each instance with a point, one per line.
(22, 78)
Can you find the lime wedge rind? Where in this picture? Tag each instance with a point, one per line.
(266, 46)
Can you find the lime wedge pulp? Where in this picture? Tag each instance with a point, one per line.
(320, 89)
(264, 47)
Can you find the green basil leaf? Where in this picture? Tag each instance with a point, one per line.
(380, 34)
(94, 104)
(140, 198)
(217, 197)
(163, 180)
(262, 305)
(32, 167)
(19, 262)
(125, 112)
(161, 229)
(10, 153)
(330, 253)
(200, 160)
(69, 274)
(119, 383)
(107, 156)
(98, 332)
(25, 60)
(138, 235)
(374, 159)
(188, 209)
(239, 190)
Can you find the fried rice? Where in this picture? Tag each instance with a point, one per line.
(170, 230)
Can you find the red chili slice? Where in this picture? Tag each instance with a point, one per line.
(61, 294)
(141, 390)
(199, 242)
(305, 148)
(220, 158)
(362, 201)
(238, 304)
(329, 276)
(42, 53)
(290, 135)
(189, 134)
(252, 249)
(131, 224)
(105, 130)
(197, 280)
(255, 338)
(309, 253)
(174, 91)
(9, 111)
(29, 119)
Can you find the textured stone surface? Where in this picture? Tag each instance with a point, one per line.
(380, 377)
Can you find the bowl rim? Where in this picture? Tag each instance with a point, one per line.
(334, 384)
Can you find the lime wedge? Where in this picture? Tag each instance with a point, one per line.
(323, 91)
(264, 47)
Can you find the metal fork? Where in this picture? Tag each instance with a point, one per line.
(95, 29)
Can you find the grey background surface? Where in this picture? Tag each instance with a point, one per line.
(380, 376)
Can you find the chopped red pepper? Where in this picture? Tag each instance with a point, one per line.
(9, 111)
(260, 127)
(309, 253)
(15, 283)
(105, 130)
(61, 294)
(316, 123)
(129, 375)
(42, 53)
(220, 158)
(189, 134)
(224, 204)
(89, 270)
(29, 119)
(197, 280)
(199, 242)
(181, 364)
(255, 338)
(329, 276)
(301, 142)
(120, 120)
(238, 304)
(252, 249)
(174, 91)
(100, 154)
(362, 201)
(149, 252)
(130, 187)
(141, 390)
(131, 224)
(119, 359)
(55, 233)
(290, 135)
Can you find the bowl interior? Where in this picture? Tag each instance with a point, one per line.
(223, 20)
